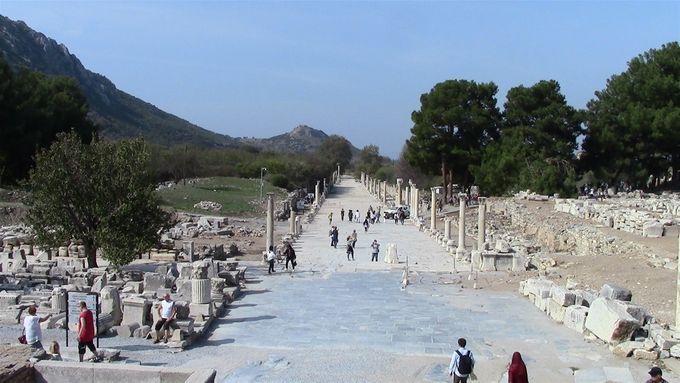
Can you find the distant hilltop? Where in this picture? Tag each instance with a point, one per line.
(121, 115)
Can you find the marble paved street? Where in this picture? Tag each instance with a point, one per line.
(340, 321)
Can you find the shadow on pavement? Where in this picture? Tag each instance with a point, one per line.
(251, 319)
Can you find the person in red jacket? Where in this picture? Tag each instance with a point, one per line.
(517, 372)
(85, 332)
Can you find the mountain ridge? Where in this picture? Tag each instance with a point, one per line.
(121, 115)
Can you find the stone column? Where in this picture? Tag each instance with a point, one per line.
(408, 194)
(317, 194)
(399, 182)
(460, 251)
(677, 297)
(339, 173)
(298, 225)
(363, 175)
(416, 204)
(200, 291)
(292, 218)
(270, 221)
(481, 224)
(433, 209)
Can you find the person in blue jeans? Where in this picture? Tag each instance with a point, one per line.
(375, 249)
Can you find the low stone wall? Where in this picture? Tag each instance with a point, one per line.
(642, 217)
(69, 372)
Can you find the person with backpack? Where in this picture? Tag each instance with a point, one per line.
(462, 363)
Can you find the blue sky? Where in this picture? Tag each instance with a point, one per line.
(356, 68)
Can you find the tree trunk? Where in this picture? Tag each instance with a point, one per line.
(444, 181)
(91, 252)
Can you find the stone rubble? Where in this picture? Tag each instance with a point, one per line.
(607, 316)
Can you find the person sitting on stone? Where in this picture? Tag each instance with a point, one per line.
(167, 312)
(53, 350)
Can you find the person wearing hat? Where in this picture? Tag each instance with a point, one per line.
(656, 376)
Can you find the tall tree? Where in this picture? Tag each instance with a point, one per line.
(537, 144)
(100, 194)
(368, 160)
(33, 109)
(456, 120)
(335, 150)
(633, 125)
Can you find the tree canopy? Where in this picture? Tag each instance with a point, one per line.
(34, 108)
(456, 120)
(537, 143)
(633, 125)
(99, 194)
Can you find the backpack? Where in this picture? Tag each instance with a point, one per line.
(464, 363)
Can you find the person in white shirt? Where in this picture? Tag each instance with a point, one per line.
(462, 363)
(167, 311)
(32, 328)
(271, 256)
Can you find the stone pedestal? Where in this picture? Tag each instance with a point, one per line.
(110, 304)
(270, 221)
(481, 224)
(59, 303)
(200, 291)
(188, 249)
(460, 251)
(136, 310)
(476, 259)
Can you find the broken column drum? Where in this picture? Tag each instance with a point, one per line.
(200, 290)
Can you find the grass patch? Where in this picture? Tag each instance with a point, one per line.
(238, 196)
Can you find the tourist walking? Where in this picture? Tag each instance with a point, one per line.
(350, 213)
(375, 249)
(656, 376)
(354, 239)
(167, 313)
(32, 328)
(289, 252)
(350, 247)
(342, 214)
(85, 332)
(366, 225)
(517, 371)
(334, 236)
(357, 216)
(271, 256)
(330, 218)
(462, 363)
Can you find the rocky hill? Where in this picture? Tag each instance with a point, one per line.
(299, 140)
(121, 115)
(118, 114)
